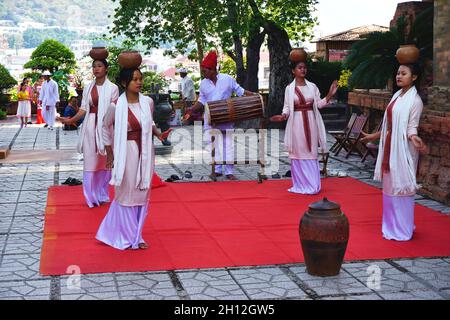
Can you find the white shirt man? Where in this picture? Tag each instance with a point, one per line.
(49, 97)
(187, 88)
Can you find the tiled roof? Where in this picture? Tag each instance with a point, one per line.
(353, 34)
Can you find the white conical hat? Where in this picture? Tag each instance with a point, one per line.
(46, 73)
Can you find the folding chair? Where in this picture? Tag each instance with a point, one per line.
(324, 160)
(350, 142)
(339, 135)
(371, 148)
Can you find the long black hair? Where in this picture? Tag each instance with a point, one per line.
(126, 76)
(22, 83)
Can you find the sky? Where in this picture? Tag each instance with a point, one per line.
(339, 15)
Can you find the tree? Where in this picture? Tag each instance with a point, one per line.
(373, 61)
(154, 22)
(282, 20)
(233, 26)
(58, 59)
(53, 56)
(6, 82)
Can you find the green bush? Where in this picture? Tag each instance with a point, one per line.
(6, 80)
(323, 73)
(2, 114)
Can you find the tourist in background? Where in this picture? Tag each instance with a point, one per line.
(24, 97)
(49, 98)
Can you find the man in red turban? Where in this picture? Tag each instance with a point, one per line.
(210, 61)
(218, 86)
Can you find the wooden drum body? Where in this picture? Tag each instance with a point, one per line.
(234, 109)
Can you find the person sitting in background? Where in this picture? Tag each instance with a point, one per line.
(70, 111)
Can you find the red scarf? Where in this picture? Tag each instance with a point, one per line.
(304, 107)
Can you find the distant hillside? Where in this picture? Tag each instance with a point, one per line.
(58, 12)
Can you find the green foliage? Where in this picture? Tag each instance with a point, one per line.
(6, 80)
(323, 73)
(151, 79)
(373, 61)
(13, 94)
(228, 66)
(114, 67)
(3, 114)
(53, 56)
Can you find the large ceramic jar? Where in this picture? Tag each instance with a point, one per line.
(324, 233)
(298, 54)
(407, 54)
(98, 53)
(129, 59)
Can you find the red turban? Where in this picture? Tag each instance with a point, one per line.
(210, 61)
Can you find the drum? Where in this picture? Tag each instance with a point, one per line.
(234, 109)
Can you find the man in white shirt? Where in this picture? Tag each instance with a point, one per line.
(218, 86)
(187, 88)
(49, 97)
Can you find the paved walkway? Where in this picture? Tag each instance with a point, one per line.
(40, 158)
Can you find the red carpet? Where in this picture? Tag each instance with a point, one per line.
(203, 225)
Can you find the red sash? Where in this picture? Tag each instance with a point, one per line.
(136, 130)
(387, 145)
(304, 107)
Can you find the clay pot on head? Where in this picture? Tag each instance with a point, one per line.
(298, 54)
(98, 53)
(324, 234)
(407, 54)
(129, 59)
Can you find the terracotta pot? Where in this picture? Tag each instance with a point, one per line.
(298, 54)
(98, 53)
(324, 233)
(407, 54)
(129, 59)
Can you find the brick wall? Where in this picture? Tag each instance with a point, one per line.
(434, 168)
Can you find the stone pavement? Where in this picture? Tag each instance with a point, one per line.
(40, 158)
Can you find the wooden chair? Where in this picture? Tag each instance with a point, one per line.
(339, 135)
(351, 141)
(323, 158)
(371, 148)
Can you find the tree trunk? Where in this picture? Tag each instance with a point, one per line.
(238, 56)
(280, 71)
(255, 41)
(256, 38)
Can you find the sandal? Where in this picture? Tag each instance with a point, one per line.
(68, 181)
(173, 178)
(143, 245)
(287, 174)
(75, 182)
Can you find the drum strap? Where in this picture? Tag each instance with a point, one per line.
(231, 110)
